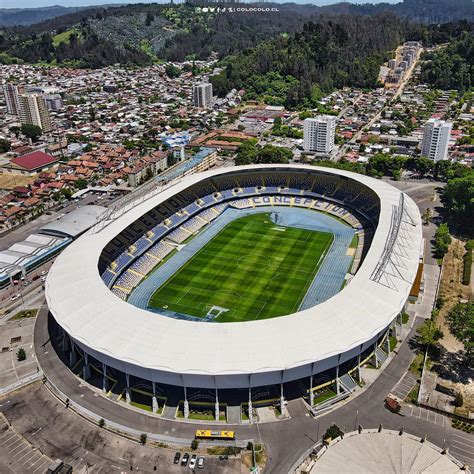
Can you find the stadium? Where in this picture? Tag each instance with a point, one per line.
(238, 287)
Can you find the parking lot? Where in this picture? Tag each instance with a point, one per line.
(43, 421)
(13, 335)
(17, 454)
(404, 386)
(462, 447)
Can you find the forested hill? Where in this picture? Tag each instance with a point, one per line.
(451, 66)
(330, 53)
(422, 11)
(333, 52)
(142, 33)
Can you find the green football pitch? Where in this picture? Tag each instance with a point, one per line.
(253, 269)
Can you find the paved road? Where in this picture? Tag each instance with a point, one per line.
(346, 147)
(285, 440)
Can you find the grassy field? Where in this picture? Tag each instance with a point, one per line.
(63, 37)
(253, 269)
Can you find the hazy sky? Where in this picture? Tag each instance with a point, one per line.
(80, 3)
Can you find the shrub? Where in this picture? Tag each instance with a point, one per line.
(143, 438)
(333, 432)
(249, 446)
(21, 354)
(458, 400)
(194, 444)
(101, 423)
(467, 261)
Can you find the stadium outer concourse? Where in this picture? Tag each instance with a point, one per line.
(330, 338)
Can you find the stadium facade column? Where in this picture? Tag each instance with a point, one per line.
(217, 406)
(72, 355)
(359, 376)
(128, 398)
(154, 401)
(376, 361)
(186, 404)
(311, 393)
(250, 400)
(393, 329)
(86, 369)
(387, 342)
(65, 341)
(104, 378)
(282, 395)
(338, 387)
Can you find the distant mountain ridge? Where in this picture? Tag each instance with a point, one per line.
(425, 11)
(29, 16)
(139, 34)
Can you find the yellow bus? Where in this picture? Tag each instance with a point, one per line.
(209, 434)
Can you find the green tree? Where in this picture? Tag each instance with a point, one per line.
(458, 400)
(4, 145)
(143, 438)
(333, 432)
(172, 71)
(247, 153)
(31, 131)
(81, 183)
(20, 354)
(461, 324)
(458, 197)
(442, 239)
(66, 193)
(273, 154)
(427, 215)
(15, 130)
(429, 334)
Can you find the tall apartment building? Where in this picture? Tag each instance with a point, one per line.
(202, 95)
(33, 110)
(436, 137)
(318, 134)
(12, 93)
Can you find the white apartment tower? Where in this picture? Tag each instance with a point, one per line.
(436, 137)
(33, 110)
(318, 134)
(202, 95)
(12, 93)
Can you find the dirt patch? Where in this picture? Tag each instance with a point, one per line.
(452, 291)
(9, 181)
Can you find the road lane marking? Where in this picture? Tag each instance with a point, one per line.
(19, 452)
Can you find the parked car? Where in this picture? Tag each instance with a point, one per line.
(200, 463)
(192, 463)
(176, 459)
(15, 297)
(44, 272)
(43, 278)
(392, 404)
(185, 459)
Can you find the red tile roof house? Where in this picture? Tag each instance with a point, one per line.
(30, 163)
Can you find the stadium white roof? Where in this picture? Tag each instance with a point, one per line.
(75, 222)
(112, 327)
